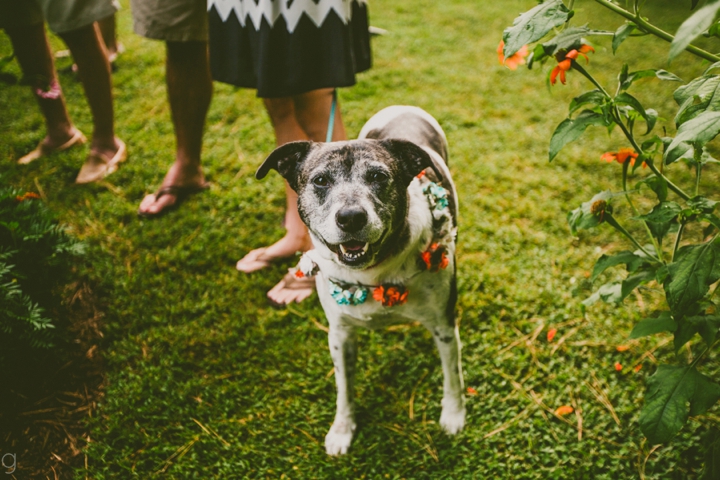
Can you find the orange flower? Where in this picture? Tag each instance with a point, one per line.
(622, 348)
(421, 174)
(638, 367)
(299, 274)
(471, 391)
(564, 410)
(26, 196)
(390, 296)
(435, 257)
(618, 366)
(515, 60)
(621, 156)
(565, 62)
(551, 334)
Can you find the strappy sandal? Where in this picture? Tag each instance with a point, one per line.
(302, 287)
(97, 166)
(181, 193)
(43, 150)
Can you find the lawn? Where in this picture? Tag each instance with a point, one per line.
(203, 379)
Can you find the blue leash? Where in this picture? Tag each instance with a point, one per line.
(331, 122)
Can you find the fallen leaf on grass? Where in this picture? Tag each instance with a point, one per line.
(564, 410)
(551, 334)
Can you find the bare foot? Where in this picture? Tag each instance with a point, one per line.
(103, 160)
(178, 176)
(286, 247)
(291, 289)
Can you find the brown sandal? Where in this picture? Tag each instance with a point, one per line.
(179, 192)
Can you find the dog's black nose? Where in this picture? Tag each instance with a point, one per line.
(351, 219)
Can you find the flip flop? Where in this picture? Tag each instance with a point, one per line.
(260, 259)
(43, 150)
(179, 192)
(299, 288)
(97, 166)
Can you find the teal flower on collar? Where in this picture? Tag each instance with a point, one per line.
(353, 295)
(437, 195)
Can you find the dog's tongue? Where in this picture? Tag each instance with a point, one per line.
(353, 246)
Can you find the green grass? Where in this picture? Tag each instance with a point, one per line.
(204, 380)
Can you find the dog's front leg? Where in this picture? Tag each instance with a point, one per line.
(343, 350)
(447, 339)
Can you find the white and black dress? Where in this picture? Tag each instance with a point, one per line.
(288, 47)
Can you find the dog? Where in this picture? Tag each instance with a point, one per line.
(382, 215)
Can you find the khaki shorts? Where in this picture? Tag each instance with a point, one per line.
(61, 16)
(171, 20)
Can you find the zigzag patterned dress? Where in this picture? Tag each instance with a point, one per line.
(288, 47)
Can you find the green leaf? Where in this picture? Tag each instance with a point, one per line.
(583, 217)
(684, 333)
(570, 130)
(700, 129)
(706, 395)
(594, 97)
(711, 67)
(657, 185)
(700, 95)
(711, 470)
(650, 117)
(669, 391)
(693, 27)
(621, 34)
(702, 204)
(650, 326)
(570, 39)
(627, 79)
(537, 55)
(534, 24)
(662, 212)
(609, 293)
(695, 268)
(634, 281)
(632, 260)
(707, 326)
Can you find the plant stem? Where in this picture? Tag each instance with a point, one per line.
(658, 250)
(699, 357)
(698, 171)
(627, 133)
(649, 28)
(611, 220)
(677, 240)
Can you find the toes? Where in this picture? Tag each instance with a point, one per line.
(452, 421)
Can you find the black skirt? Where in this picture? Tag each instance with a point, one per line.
(288, 47)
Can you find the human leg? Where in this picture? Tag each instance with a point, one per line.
(287, 129)
(189, 91)
(88, 50)
(32, 50)
(109, 35)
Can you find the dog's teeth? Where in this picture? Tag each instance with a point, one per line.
(342, 249)
(365, 247)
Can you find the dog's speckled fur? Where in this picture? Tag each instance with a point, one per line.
(376, 174)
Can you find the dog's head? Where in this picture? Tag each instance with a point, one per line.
(353, 196)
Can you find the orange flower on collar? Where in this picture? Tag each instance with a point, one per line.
(435, 257)
(513, 61)
(390, 296)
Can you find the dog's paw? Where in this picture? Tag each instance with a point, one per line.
(338, 439)
(452, 420)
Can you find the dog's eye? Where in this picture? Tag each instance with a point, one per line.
(377, 176)
(320, 181)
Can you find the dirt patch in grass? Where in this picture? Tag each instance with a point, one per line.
(46, 399)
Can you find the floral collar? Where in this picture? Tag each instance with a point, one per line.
(433, 259)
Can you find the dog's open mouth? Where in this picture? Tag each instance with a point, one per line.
(353, 251)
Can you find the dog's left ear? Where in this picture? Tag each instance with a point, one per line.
(412, 159)
(286, 160)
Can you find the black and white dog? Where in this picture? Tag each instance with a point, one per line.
(381, 211)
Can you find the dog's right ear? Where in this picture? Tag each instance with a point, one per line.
(286, 160)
